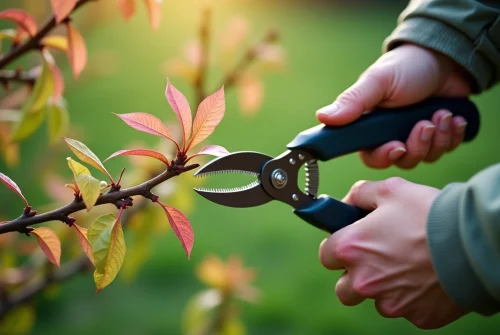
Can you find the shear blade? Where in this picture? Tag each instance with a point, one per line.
(248, 162)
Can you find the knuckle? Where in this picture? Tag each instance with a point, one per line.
(390, 186)
(362, 288)
(343, 252)
(389, 308)
(352, 95)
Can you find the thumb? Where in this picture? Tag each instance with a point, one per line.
(364, 194)
(371, 89)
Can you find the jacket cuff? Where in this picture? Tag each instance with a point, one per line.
(443, 38)
(448, 256)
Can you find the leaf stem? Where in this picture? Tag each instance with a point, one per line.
(7, 76)
(199, 82)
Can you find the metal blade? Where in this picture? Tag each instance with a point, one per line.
(248, 162)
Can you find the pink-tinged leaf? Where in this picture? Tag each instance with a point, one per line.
(208, 116)
(251, 93)
(62, 8)
(154, 12)
(127, 7)
(49, 243)
(213, 150)
(181, 108)
(147, 123)
(58, 83)
(141, 152)
(181, 226)
(77, 51)
(84, 241)
(24, 20)
(13, 186)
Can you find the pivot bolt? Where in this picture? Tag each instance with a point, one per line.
(292, 161)
(279, 178)
(295, 197)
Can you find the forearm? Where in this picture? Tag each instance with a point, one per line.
(467, 31)
(464, 240)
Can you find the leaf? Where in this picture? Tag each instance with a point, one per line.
(77, 51)
(58, 83)
(84, 241)
(13, 186)
(49, 243)
(90, 187)
(251, 93)
(210, 112)
(154, 12)
(147, 123)
(181, 108)
(20, 320)
(181, 226)
(213, 150)
(141, 152)
(9, 34)
(62, 8)
(24, 20)
(127, 7)
(34, 108)
(108, 248)
(58, 122)
(86, 155)
(55, 42)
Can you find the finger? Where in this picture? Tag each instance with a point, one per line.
(365, 194)
(459, 125)
(337, 251)
(345, 292)
(441, 141)
(383, 156)
(417, 145)
(328, 254)
(369, 90)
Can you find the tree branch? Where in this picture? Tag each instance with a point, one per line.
(7, 76)
(34, 41)
(22, 223)
(199, 82)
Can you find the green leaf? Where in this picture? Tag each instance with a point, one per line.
(34, 108)
(90, 187)
(58, 121)
(19, 320)
(108, 248)
(86, 155)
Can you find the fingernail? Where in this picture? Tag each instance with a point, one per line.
(427, 132)
(396, 153)
(445, 122)
(461, 128)
(329, 110)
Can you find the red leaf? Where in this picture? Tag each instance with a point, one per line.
(77, 51)
(127, 7)
(58, 83)
(49, 243)
(209, 114)
(84, 241)
(154, 12)
(147, 123)
(24, 20)
(141, 152)
(214, 150)
(62, 8)
(13, 186)
(181, 226)
(181, 108)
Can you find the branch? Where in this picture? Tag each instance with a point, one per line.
(34, 42)
(199, 82)
(22, 223)
(249, 56)
(7, 76)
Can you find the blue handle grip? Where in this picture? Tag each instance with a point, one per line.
(380, 126)
(329, 214)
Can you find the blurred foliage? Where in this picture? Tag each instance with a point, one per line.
(327, 47)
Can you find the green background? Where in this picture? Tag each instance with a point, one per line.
(327, 46)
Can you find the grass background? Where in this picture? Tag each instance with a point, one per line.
(327, 46)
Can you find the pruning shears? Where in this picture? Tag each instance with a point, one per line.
(277, 178)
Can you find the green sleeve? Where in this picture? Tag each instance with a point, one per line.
(463, 231)
(467, 31)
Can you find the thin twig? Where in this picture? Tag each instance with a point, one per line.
(34, 42)
(62, 214)
(7, 76)
(199, 82)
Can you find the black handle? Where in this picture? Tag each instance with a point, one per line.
(329, 214)
(380, 126)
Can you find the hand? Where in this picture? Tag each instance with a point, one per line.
(403, 76)
(386, 254)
